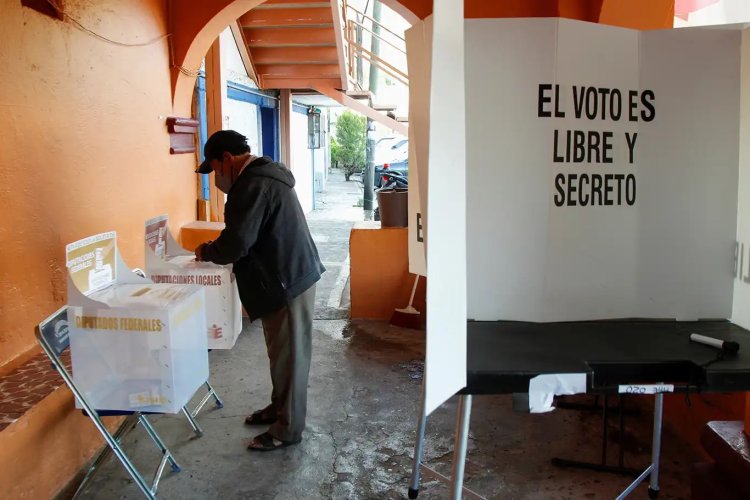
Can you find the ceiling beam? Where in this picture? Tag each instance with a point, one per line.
(364, 109)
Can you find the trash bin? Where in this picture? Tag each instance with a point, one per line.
(394, 207)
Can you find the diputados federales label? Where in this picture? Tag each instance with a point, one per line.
(127, 324)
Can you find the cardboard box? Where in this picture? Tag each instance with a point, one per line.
(135, 345)
(168, 262)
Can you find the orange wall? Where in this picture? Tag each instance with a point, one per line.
(42, 451)
(376, 289)
(642, 14)
(84, 149)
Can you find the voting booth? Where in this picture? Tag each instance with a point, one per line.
(568, 173)
(135, 345)
(168, 262)
(601, 170)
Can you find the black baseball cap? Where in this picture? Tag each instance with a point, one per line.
(220, 142)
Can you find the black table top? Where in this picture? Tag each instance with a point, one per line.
(504, 355)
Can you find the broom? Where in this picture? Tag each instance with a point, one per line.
(408, 317)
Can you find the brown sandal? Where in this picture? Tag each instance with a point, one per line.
(260, 417)
(266, 442)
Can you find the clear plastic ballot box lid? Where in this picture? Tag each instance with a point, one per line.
(135, 345)
(168, 262)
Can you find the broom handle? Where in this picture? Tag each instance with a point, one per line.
(414, 289)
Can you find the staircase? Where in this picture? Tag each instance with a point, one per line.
(309, 44)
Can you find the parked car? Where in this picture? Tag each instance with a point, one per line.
(391, 150)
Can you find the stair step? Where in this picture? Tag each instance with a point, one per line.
(402, 119)
(384, 107)
(359, 94)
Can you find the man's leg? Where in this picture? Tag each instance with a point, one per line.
(289, 340)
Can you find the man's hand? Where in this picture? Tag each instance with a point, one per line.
(199, 251)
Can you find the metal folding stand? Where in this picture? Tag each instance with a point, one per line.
(191, 415)
(461, 441)
(210, 393)
(460, 445)
(652, 470)
(52, 336)
(602, 466)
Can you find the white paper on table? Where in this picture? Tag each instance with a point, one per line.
(543, 389)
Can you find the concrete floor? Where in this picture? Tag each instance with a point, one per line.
(362, 410)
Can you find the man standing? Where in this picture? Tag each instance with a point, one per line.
(276, 264)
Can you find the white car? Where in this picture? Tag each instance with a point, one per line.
(390, 150)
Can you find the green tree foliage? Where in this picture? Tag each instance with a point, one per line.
(348, 148)
(335, 153)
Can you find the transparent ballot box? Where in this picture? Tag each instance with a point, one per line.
(135, 345)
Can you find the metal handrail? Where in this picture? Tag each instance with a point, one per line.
(382, 63)
(355, 51)
(354, 21)
(347, 6)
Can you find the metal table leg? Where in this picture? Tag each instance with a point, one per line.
(459, 448)
(653, 489)
(418, 448)
(653, 469)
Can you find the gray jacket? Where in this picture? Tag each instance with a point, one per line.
(266, 238)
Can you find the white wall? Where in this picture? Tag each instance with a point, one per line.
(230, 57)
(301, 166)
(721, 12)
(245, 119)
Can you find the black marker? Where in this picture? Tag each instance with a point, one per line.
(724, 345)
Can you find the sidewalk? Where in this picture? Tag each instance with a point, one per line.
(330, 224)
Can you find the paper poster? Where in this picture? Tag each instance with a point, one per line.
(603, 170)
(91, 262)
(156, 235)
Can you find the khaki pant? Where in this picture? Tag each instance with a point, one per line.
(288, 333)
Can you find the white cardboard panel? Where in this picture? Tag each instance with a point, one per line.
(445, 360)
(503, 154)
(664, 256)
(741, 307)
(689, 174)
(419, 57)
(591, 251)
